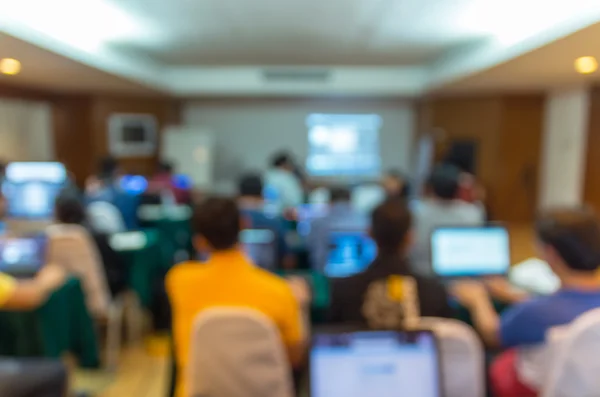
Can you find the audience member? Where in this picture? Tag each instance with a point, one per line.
(163, 182)
(28, 294)
(72, 247)
(32, 376)
(569, 240)
(439, 208)
(251, 205)
(104, 186)
(227, 279)
(387, 294)
(341, 216)
(282, 182)
(395, 185)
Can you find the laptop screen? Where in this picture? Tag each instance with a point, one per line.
(22, 255)
(375, 363)
(31, 188)
(350, 252)
(470, 251)
(259, 245)
(133, 184)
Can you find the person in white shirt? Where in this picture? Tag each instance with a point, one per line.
(439, 208)
(282, 185)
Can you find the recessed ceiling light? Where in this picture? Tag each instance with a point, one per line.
(586, 65)
(10, 66)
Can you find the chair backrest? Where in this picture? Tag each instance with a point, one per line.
(236, 352)
(575, 370)
(105, 217)
(463, 363)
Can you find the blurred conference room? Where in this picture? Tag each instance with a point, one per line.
(358, 198)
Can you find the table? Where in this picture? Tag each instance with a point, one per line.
(145, 258)
(173, 224)
(61, 325)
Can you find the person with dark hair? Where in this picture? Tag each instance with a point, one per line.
(569, 241)
(228, 278)
(282, 184)
(252, 207)
(395, 185)
(388, 294)
(341, 216)
(163, 183)
(105, 187)
(440, 207)
(72, 247)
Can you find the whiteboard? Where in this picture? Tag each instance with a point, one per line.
(191, 151)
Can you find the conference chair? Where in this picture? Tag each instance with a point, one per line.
(105, 218)
(72, 247)
(462, 354)
(575, 368)
(133, 312)
(32, 378)
(237, 352)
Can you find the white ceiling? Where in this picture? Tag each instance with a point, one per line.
(293, 32)
(221, 47)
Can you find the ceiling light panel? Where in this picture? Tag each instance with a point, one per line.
(87, 25)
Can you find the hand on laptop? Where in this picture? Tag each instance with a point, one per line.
(469, 292)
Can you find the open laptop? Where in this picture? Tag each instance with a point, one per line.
(350, 252)
(31, 189)
(22, 256)
(470, 251)
(260, 246)
(375, 364)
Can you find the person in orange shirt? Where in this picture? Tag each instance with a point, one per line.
(227, 279)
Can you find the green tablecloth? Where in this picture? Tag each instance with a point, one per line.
(145, 263)
(173, 225)
(61, 325)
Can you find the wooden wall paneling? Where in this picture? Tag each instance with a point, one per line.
(519, 155)
(73, 136)
(476, 119)
(591, 191)
(164, 110)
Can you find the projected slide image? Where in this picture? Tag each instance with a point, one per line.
(343, 144)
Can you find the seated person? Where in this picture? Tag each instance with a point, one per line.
(439, 208)
(283, 183)
(395, 185)
(569, 241)
(163, 181)
(251, 205)
(28, 294)
(227, 279)
(31, 377)
(105, 187)
(387, 293)
(341, 215)
(71, 246)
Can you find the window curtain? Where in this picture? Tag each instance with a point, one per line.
(25, 131)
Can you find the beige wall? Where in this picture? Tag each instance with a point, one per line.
(562, 172)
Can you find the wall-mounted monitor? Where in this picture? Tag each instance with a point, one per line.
(132, 135)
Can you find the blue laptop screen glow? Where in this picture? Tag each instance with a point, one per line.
(381, 364)
(350, 252)
(134, 184)
(470, 251)
(31, 188)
